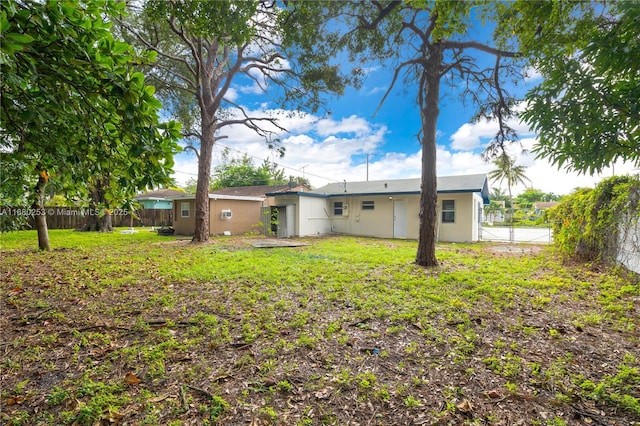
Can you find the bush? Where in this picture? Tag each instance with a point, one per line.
(587, 223)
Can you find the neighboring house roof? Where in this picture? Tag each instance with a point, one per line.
(260, 190)
(218, 197)
(446, 184)
(161, 194)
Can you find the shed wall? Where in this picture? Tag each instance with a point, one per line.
(313, 217)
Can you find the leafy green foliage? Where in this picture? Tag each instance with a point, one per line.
(532, 195)
(587, 222)
(73, 104)
(204, 19)
(586, 109)
(507, 171)
(234, 172)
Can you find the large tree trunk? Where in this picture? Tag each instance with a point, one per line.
(41, 219)
(426, 255)
(202, 231)
(97, 220)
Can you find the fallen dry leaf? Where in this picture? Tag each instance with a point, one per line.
(114, 417)
(465, 406)
(322, 393)
(131, 379)
(13, 400)
(493, 394)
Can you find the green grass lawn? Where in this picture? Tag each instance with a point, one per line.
(142, 329)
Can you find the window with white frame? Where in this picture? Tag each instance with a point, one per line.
(184, 209)
(337, 208)
(448, 211)
(368, 205)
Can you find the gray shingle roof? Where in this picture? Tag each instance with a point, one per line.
(258, 190)
(446, 184)
(160, 194)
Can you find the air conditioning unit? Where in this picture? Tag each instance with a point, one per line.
(226, 214)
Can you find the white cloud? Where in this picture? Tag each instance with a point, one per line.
(231, 95)
(377, 89)
(298, 140)
(531, 75)
(352, 124)
(471, 136)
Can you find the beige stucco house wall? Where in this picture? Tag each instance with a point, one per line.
(233, 214)
(384, 209)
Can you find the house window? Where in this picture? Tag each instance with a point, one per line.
(184, 209)
(448, 211)
(337, 208)
(368, 205)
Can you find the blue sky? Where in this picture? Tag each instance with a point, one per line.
(330, 147)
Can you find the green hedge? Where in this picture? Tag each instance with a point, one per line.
(586, 223)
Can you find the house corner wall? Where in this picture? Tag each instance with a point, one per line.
(184, 225)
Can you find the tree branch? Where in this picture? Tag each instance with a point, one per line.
(194, 149)
(450, 44)
(151, 46)
(382, 13)
(396, 73)
(249, 121)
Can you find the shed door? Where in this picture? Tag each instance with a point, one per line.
(291, 221)
(399, 219)
(281, 224)
(285, 226)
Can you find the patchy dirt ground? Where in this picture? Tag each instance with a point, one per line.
(81, 345)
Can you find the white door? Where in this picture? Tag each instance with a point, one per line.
(399, 219)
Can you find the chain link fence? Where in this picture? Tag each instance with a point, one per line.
(522, 225)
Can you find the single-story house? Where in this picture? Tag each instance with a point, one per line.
(159, 200)
(383, 208)
(232, 214)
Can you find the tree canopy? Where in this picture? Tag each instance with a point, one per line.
(202, 48)
(586, 111)
(74, 108)
(235, 172)
(532, 195)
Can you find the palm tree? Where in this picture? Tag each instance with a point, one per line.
(506, 170)
(497, 194)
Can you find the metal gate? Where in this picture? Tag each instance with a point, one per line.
(517, 234)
